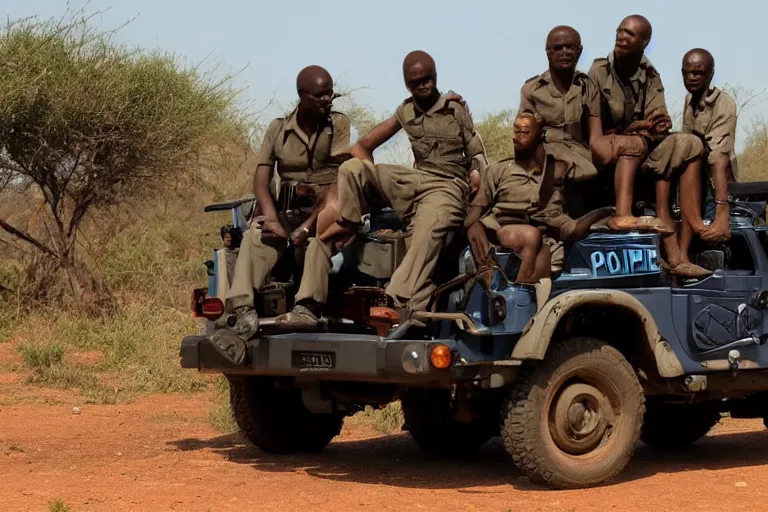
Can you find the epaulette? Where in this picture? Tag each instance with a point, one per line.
(507, 159)
(600, 59)
(534, 77)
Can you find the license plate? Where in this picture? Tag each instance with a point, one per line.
(314, 360)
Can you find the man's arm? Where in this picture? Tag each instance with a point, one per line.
(473, 146)
(263, 176)
(379, 134)
(720, 144)
(656, 106)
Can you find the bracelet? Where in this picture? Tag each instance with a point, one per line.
(726, 203)
(305, 229)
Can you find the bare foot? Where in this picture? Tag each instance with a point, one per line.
(688, 269)
(631, 223)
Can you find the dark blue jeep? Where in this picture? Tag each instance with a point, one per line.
(571, 372)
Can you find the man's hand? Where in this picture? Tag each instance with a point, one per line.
(638, 126)
(474, 184)
(299, 237)
(661, 125)
(271, 228)
(719, 231)
(479, 244)
(452, 96)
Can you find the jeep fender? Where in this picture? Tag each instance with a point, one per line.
(537, 335)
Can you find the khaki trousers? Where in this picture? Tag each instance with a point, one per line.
(430, 207)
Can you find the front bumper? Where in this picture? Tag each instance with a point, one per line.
(328, 356)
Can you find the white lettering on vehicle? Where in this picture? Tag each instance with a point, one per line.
(623, 262)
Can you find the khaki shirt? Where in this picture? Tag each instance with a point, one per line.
(516, 195)
(443, 139)
(714, 121)
(564, 116)
(305, 159)
(621, 103)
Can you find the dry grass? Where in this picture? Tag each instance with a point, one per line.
(221, 416)
(387, 420)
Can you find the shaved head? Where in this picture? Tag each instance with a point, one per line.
(312, 76)
(563, 50)
(420, 75)
(698, 69)
(315, 87)
(563, 30)
(699, 54)
(643, 25)
(419, 59)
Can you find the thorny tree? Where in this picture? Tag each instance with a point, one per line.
(86, 123)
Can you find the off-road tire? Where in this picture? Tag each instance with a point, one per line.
(673, 427)
(276, 420)
(529, 423)
(430, 421)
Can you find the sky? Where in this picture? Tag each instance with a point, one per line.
(485, 50)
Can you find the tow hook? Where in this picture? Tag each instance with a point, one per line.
(733, 359)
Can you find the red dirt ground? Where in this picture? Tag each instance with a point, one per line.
(160, 453)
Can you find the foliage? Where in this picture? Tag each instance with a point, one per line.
(496, 132)
(87, 123)
(387, 420)
(58, 505)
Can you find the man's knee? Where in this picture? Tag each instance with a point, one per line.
(608, 149)
(351, 171)
(520, 237)
(686, 146)
(531, 237)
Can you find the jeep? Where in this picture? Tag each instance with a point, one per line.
(571, 373)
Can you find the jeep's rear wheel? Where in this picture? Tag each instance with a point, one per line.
(276, 420)
(677, 426)
(574, 419)
(430, 419)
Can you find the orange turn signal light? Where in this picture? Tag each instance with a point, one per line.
(441, 357)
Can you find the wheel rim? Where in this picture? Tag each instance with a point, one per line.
(581, 418)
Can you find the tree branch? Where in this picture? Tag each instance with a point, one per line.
(27, 238)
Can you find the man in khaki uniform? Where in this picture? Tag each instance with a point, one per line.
(521, 204)
(305, 148)
(710, 114)
(429, 198)
(635, 134)
(567, 102)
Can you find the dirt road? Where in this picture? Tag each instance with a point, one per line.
(160, 454)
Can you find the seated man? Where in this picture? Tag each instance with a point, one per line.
(306, 147)
(520, 201)
(231, 239)
(710, 114)
(635, 134)
(567, 102)
(428, 198)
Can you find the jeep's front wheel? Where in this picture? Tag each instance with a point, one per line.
(574, 420)
(276, 420)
